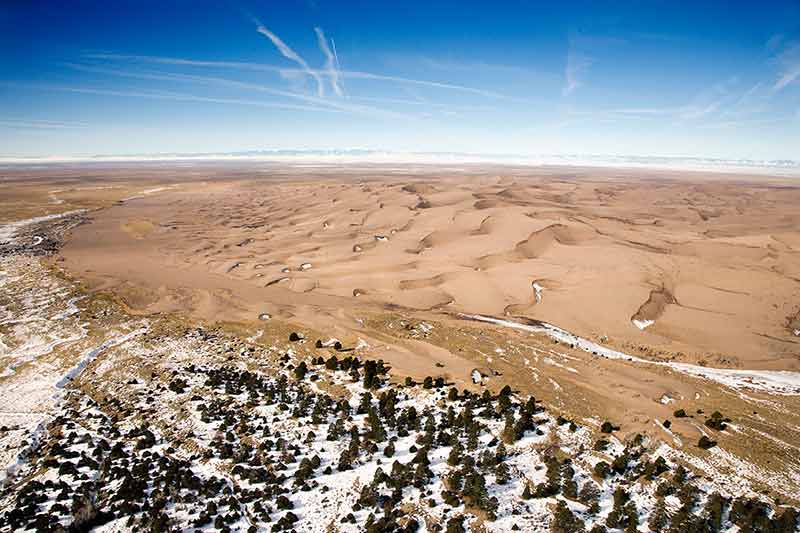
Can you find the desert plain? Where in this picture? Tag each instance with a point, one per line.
(609, 294)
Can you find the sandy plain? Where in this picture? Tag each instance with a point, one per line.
(687, 267)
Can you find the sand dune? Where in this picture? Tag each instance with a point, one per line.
(487, 227)
(539, 241)
(477, 246)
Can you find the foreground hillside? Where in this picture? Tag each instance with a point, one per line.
(199, 430)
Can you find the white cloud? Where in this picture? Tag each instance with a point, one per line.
(789, 61)
(320, 103)
(577, 65)
(288, 53)
(164, 95)
(287, 73)
(35, 124)
(331, 61)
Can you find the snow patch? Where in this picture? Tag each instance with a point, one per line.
(769, 381)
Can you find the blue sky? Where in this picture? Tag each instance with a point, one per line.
(635, 78)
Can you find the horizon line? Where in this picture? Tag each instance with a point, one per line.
(777, 167)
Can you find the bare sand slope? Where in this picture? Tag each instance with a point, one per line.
(674, 267)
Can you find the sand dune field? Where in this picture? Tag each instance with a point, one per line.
(693, 268)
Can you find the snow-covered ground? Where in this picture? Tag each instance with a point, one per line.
(249, 425)
(771, 381)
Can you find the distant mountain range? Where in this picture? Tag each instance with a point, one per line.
(367, 156)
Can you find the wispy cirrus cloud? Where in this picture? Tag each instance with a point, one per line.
(579, 59)
(289, 53)
(349, 74)
(167, 95)
(720, 100)
(320, 103)
(331, 61)
(788, 60)
(576, 66)
(35, 124)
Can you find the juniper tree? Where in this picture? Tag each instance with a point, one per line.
(524, 423)
(473, 431)
(607, 427)
(301, 370)
(376, 432)
(388, 451)
(503, 404)
(713, 512)
(564, 521)
(421, 457)
(422, 474)
(552, 486)
(527, 494)
(502, 474)
(428, 437)
(413, 418)
(706, 443)
(785, 520)
(717, 421)
(365, 404)
(371, 379)
(454, 458)
(570, 485)
(386, 405)
(500, 453)
(616, 518)
(631, 518)
(509, 434)
(335, 430)
(530, 405)
(590, 497)
(455, 525)
(659, 518)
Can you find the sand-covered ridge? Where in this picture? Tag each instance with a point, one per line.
(682, 267)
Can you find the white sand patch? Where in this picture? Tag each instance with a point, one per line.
(255, 336)
(537, 291)
(552, 362)
(147, 192)
(361, 344)
(678, 442)
(642, 324)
